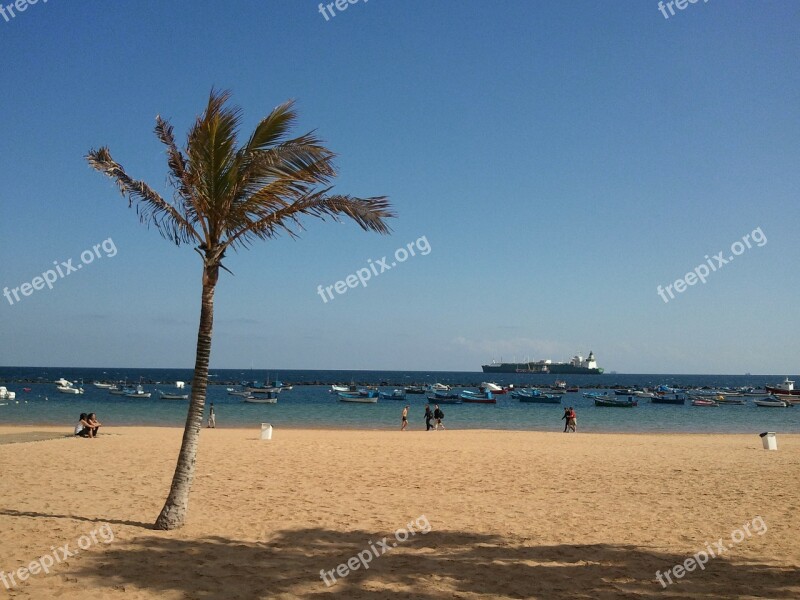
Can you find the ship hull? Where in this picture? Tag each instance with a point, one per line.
(552, 369)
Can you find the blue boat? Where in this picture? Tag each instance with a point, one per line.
(444, 399)
(393, 395)
(478, 397)
(367, 397)
(535, 396)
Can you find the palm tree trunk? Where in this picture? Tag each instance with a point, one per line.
(173, 514)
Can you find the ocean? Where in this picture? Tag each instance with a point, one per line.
(312, 406)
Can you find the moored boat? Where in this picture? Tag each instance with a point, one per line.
(535, 396)
(668, 399)
(438, 387)
(393, 395)
(444, 399)
(488, 386)
(137, 393)
(771, 402)
(612, 402)
(271, 398)
(704, 402)
(168, 396)
(786, 387)
(478, 397)
(67, 387)
(414, 389)
(5, 394)
(103, 386)
(370, 398)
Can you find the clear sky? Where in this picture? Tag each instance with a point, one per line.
(562, 160)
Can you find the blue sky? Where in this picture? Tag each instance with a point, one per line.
(562, 159)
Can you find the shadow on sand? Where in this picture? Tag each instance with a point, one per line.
(440, 564)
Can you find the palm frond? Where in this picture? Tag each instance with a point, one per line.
(369, 213)
(150, 206)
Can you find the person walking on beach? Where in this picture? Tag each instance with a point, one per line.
(428, 417)
(565, 418)
(405, 419)
(212, 418)
(572, 420)
(438, 414)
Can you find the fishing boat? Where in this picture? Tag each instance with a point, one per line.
(786, 387)
(785, 397)
(5, 394)
(67, 387)
(173, 396)
(574, 389)
(598, 395)
(119, 391)
(615, 402)
(704, 402)
(137, 393)
(488, 386)
(439, 396)
(264, 389)
(535, 396)
(393, 395)
(478, 397)
(266, 398)
(668, 399)
(102, 386)
(730, 400)
(438, 387)
(624, 392)
(414, 389)
(444, 399)
(370, 398)
(771, 402)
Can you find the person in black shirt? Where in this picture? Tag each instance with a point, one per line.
(428, 417)
(438, 414)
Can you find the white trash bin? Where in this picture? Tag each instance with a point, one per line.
(266, 431)
(769, 439)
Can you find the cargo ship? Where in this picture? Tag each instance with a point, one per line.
(576, 366)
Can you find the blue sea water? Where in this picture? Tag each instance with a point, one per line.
(313, 405)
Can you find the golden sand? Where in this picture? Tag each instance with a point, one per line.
(511, 515)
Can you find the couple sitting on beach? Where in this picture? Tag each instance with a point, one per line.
(87, 426)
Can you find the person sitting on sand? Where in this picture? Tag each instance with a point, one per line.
(405, 418)
(82, 428)
(93, 424)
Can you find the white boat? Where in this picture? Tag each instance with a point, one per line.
(359, 399)
(5, 394)
(492, 387)
(335, 389)
(137, 393)
(67, 387)
(771, 403)
(179, 385)
(103, 386)
(787, 398)
(262, 400)
(438, 387)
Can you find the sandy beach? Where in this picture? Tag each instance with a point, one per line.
(507, 515)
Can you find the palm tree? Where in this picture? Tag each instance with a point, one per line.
(228, 196)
